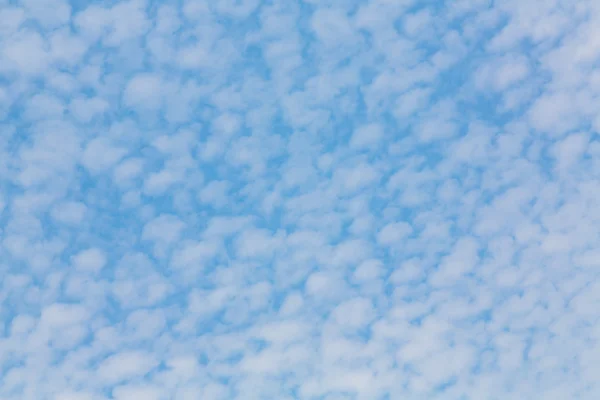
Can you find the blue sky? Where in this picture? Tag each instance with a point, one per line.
(321, 200)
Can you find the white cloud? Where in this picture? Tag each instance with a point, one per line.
(292, 304)
(11, 18)
(394, 233)
(50, 13)
(462, 260)
(144, 91)
(43, 106)
(238, 9)
(410, 102)
(164, 231)
(164, 228)
(416, 23)
(408, 271)
(369, 270)
(355, 313)
(125, 21)
(67, 49)
(257, 243)
(25, 53)
(86, 109)
(366, 136)
(195, 254)
(137, 392)
(500, 74)
(323, 285)
(158, 182)
(435, 129)
(128, 169)
(569, 150)
(318, 199)
(70, 395)
(100, 154)
(215, 193)
(90, 260)
(126, 365)
(554, 113)
(59, 316)
(71, 213)
(357, 177)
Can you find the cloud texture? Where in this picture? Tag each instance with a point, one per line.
(324, 200)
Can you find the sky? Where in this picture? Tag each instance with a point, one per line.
(299, 199)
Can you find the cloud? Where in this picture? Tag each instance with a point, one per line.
(26, 53)
(100, 154)
(500, 74)
(126, 365)
(71, 213)
(366, 199)
(366, 136)
(144, 91)
(569, 150)
(90, 260)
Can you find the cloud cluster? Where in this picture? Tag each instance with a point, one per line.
(299, 200)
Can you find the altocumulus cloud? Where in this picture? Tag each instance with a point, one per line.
(301, 199)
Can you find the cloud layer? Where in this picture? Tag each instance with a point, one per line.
(299, 200)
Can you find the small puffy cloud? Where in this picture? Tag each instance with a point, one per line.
(194, 255)
(416, 23)
(369, 270)
(408, 271)
(462, 260)
(356, 178)
(237, 9)
(58, 316)
(85, 109)
(570, 149)
(292, 304)
(367, 136)
(125, 366)
(92, 260)
(100, 154)
(411, 102)
(128, 169)
(164, 228)
(144, 91)
(72, 395)
(499, 75)
(164, 231)
(149, 392)
(158, 182)
(22, 324)
(122, 22)
(332, 27)
(257, 243)
(350, 251)
(435, 129)
(554, 113)
(215, 193)
(355, 313)
(394, 233)
(43, 106)
(50, 13)
(69, 213)
(26, 52)
(12, 18)
(66, 48)
(145, 324)
(219, 227)
(323, 285)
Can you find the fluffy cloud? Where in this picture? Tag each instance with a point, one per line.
(334, 199)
